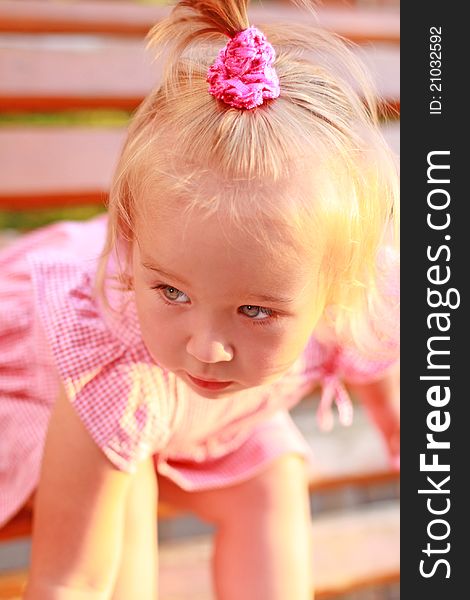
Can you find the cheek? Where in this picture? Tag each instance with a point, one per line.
(296, 338)
(275, 351)
(158, 330)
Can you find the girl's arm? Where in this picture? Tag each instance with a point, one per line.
(78, 517)
(381, 400)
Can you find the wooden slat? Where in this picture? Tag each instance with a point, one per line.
(44, 74)
(356, 549)
(124, 18)
(12, 585)
(352, 550)
(38, 73)
(56, 166)
(65, 166)
(19, 526)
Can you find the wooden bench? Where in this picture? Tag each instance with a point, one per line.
(64, 166)
(353, 550)
(42, 73)
(363, 24)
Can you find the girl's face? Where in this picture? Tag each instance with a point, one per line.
(220, 310)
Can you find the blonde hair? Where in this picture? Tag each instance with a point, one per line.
(183, 143)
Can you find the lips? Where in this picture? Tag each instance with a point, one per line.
(208, 384)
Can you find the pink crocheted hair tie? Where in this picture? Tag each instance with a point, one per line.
(243, 75)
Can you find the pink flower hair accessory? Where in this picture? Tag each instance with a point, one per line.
(243, 75)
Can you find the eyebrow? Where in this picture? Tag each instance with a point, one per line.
(161, 271)
(271, 299)
(259, 297)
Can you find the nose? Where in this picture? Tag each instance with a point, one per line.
(206, 349)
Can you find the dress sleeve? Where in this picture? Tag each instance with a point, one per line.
(111, 385)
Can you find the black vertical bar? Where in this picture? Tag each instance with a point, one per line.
(434, 130)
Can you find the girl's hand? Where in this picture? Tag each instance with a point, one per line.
(381, 400)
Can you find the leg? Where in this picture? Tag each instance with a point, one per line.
(138, 572)
(263, 540)
(137, 576)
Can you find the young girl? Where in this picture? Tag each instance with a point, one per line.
(247, 255)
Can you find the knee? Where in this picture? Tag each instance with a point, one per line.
(281, 486)
(283, 483)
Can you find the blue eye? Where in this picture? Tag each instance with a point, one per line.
(172, 294)
(256, 313)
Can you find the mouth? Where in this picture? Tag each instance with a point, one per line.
(209, 384)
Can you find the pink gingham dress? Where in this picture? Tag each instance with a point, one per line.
(52, 329)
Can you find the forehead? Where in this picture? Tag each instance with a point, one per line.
(198, 245)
